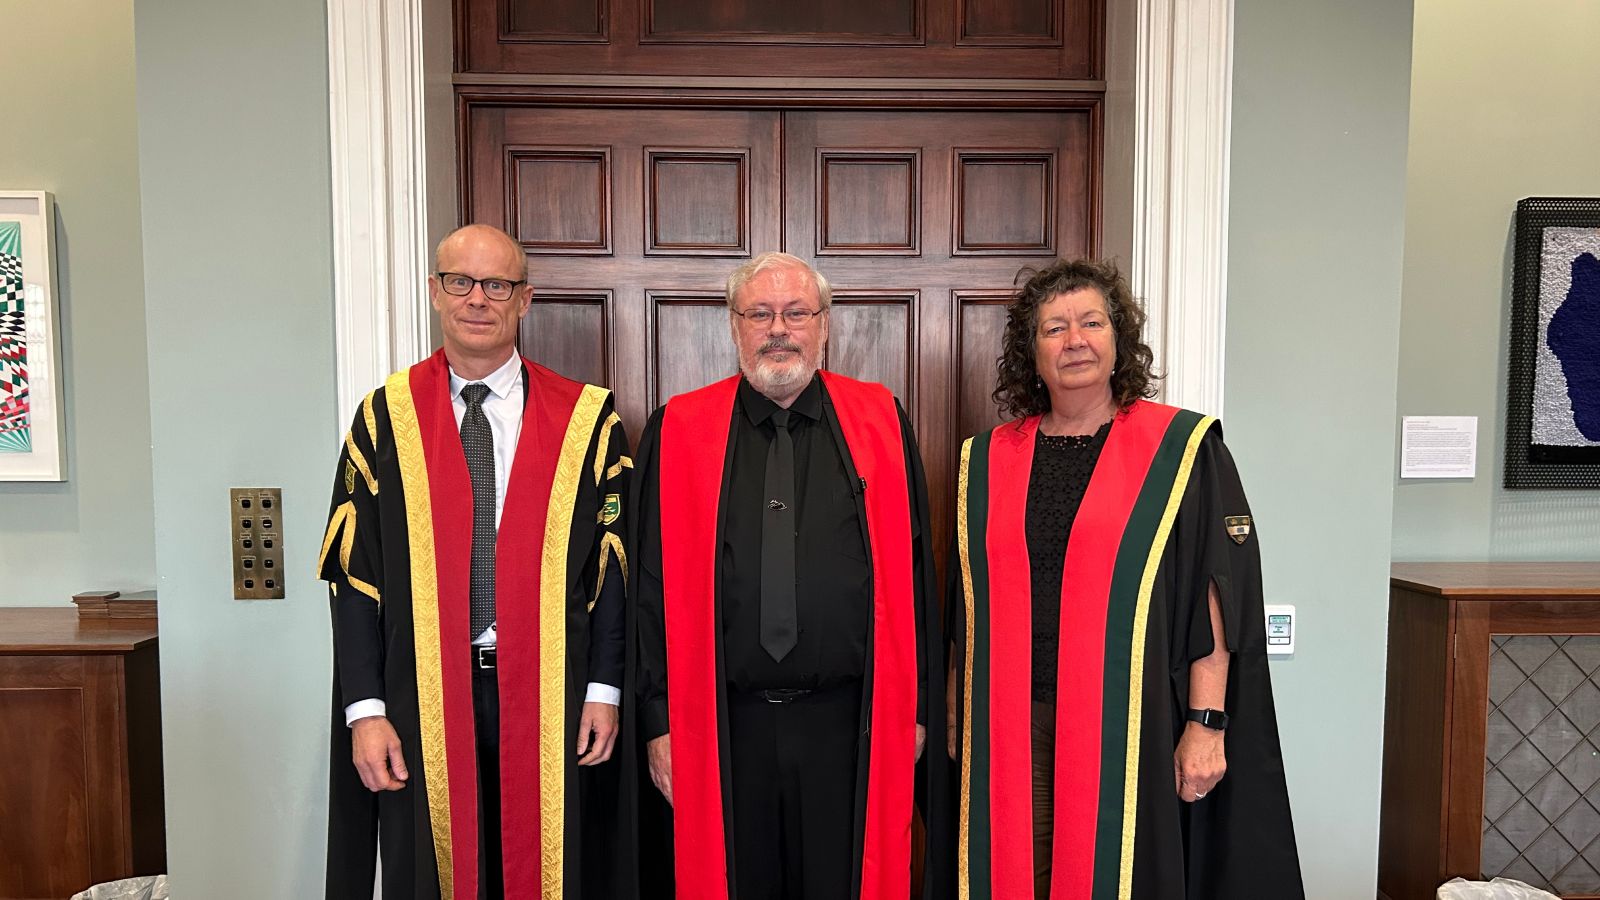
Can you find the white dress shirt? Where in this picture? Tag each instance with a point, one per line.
(503, 408)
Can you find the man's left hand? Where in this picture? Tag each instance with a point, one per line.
(597, 733)
(922, 738)
(1199, 762)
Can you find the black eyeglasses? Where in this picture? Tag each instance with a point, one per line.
(794, 318)
(461, 285)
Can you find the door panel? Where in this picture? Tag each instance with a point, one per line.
(982, 194)
(920, 219)
(665, 203)
(977, 39)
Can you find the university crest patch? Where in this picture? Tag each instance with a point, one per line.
(611, 509)
(1238, 528)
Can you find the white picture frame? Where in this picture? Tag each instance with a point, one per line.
(32, 423)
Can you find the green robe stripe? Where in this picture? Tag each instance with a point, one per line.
(1121, 679)
(977, 562)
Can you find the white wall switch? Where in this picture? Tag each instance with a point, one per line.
(1280, 630)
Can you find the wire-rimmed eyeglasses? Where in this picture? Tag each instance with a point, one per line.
(761, 317)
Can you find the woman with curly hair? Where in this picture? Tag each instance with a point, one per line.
(1111, 711)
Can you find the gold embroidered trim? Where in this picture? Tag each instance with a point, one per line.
(339, 513)
(1141, 619)
(964, 845)
(361, 462)
(425, 618)
(553, 635)
(610, 544)
(624, 462)
(371, 417)
(345, 516)
(605, 442)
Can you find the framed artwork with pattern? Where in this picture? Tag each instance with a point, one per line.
(32, 433)
(1553, 405)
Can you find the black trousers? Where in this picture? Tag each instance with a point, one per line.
(486, 712)
(794, 789)
(1044, 795)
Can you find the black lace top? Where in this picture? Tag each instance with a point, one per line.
(1060, 476)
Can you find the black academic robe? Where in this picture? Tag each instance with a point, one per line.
(1164, 517)
(651, 637)
(396, 555)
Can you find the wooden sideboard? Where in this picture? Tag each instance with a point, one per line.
(80, 752)
(1458, 645)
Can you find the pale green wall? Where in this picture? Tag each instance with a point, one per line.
(1505, 105)
(1314, 267)
(78, 140)
(234, 171)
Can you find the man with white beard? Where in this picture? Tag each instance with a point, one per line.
(789, 652)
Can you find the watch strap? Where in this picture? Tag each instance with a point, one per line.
(1211, 718)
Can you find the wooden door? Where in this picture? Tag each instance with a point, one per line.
(632, 219)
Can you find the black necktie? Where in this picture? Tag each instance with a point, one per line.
(779, 628)
(478, 441)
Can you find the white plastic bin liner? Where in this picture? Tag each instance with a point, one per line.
(146, 888)
(1498, 889)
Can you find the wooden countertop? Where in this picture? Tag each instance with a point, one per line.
(59, 631)
(1500, 580)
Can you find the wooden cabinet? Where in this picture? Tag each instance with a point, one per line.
(1491, 757)
(80, 736)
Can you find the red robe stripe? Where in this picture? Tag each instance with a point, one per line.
(518, 568)
(1086, 582)
(691, 500)
(525, 787)
(692, 474)
(871, 426)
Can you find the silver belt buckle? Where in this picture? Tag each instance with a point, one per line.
(485, 657)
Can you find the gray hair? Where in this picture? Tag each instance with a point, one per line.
(774, 259)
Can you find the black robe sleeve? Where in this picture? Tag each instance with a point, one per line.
(355, 587)
(1241, 838)
(648, 607)
(926, 583)
(606, 567)
(352, 565)
(934, 797)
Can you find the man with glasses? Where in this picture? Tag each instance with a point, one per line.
(475, 567)
(783, 607)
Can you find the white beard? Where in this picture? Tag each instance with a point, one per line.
(780, 379)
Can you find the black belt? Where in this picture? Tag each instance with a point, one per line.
(783, 695)
(483, 657)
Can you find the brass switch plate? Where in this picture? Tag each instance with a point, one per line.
(255, 522)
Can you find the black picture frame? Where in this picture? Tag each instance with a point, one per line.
(1530, 464)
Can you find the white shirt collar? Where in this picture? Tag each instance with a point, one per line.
(501, 381)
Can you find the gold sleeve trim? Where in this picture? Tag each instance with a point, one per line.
(964, 842)
(1141, 618)
(625, 462)
(605, 443)
(344, 517)
(610, 544)
(343, 510)
(371, 417)
(360, 460)
(425, 618)
(553, 633)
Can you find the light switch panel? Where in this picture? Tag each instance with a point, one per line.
(1280, 630)
(256, 529)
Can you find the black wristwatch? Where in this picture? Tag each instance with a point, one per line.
(1214, 719)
